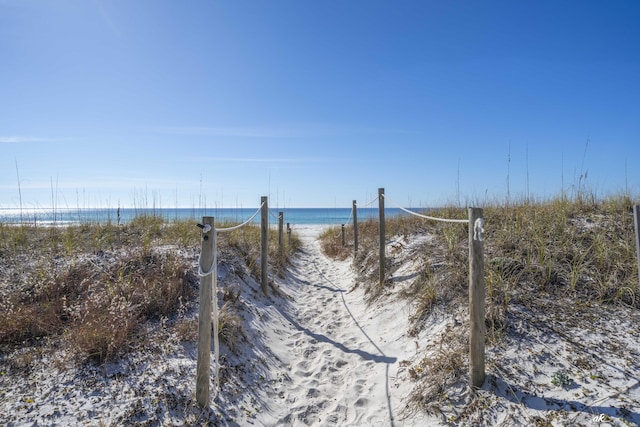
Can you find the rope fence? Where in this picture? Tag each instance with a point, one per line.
(476, 276)
(460, 221)
(370, 203)
(341, 232)
(207, 270)
(349, 217)
(223, 230)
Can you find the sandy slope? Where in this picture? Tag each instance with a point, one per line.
(318, 355)
(315, 355)
(340, 358)
(340, 362)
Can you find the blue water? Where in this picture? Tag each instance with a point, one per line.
(294, 216)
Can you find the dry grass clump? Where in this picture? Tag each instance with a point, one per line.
(230, 327)
(93, 287)
(366, 258)
(580, 250)
(440, 373)
(443, 260)
(442, 281)
(96, 308)
(247, 241)
(231, 330)
(144, 231)
(331, 243)
(37, 308)
(137, 289)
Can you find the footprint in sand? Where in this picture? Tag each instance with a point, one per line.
(341, 363)
(359, 386)
(310, 351)
(325, 389)
(311, 384)
(303, 374)
(313, 393)
(302, 370)
(361, 402)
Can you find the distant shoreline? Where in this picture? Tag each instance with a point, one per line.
(294, 216)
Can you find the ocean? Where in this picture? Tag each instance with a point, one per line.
(294, 216)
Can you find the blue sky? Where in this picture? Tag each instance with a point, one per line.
(315, 103)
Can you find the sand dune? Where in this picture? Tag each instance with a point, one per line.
(318, 355)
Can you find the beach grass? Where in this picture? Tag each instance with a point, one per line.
(583, 248)
(559, 259)
(93, 287)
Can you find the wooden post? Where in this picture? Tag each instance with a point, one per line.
(342, 234)
(382, 234)
(289, 234)
(476, 298)
(636, 223)
(204, 314)
(355, 227)
(280, 230)
(264, 243)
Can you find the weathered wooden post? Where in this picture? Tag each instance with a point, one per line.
(381, 229)
(342, 234)
(264, 243)
(476, 298)
(280, 230)
(355, 227)
(206, 268)
(289, 234)
(636, 223)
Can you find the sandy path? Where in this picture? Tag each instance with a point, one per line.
(336, 364)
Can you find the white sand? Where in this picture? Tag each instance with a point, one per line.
(335, 361)
(340, 358)
(320, 356)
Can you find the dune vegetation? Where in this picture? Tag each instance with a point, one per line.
(555, 265)
(92, 288)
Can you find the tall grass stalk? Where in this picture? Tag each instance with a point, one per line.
(19, 190)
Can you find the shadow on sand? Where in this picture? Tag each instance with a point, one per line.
(517, 395)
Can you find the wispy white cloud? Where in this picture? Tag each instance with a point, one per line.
(303, 130)
(110, 183)
(292, 161)
(27, 139)
(250, 159)
(248, 132)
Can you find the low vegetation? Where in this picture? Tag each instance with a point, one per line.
(246, 241)
(563, 248)
(558, 257)
(92, 289)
